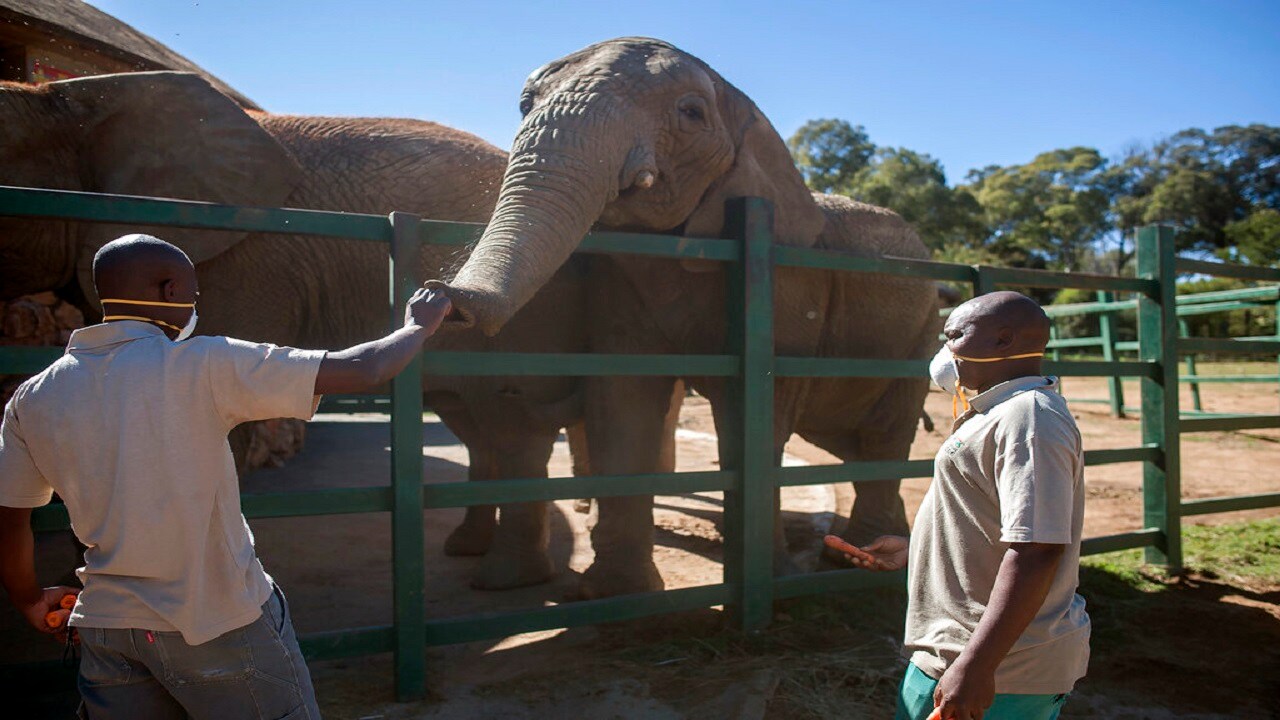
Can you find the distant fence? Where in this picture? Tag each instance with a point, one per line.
(749, 481)
(1105, 343)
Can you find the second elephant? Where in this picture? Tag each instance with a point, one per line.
(173, 135)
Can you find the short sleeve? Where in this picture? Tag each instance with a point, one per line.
(252, 381)
(1038, 462)
(21, 484)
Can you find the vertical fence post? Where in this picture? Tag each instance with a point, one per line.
(1184, 330)
(1157, 341)
(1106, 330)
(408, 562)
(749, 510)
(982, 281)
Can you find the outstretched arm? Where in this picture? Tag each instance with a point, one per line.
(363, 367)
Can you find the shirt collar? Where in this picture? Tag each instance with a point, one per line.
(110, 333)
(984, 401)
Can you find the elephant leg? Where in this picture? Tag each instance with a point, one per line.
(885, 434)
(667, 459)
(576, 435)
(518, 556)
(475, 535)
(626, 417)
(788, 395)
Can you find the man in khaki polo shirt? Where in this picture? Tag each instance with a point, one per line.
(995, 628)
(177, 617)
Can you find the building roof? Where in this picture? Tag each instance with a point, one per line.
(107, 35)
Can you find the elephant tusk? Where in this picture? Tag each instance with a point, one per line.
(645, 179)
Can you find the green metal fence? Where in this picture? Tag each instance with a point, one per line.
(1218, 301)
(748, 588)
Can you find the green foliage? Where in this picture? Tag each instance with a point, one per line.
(829, 153)
(1070, 208)
(836, 157)
(1053, 207)
(1233, 323)
(1255, 239)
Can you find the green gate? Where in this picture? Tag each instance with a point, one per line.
(748, 588)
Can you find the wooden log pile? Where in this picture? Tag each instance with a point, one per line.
(46, 320)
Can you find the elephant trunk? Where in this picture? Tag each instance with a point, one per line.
(558, 182)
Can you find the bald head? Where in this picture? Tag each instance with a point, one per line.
(997, 325)
(145, 270)
(134, 265)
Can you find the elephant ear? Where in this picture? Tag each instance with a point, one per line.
(170, 134)
(762, 167)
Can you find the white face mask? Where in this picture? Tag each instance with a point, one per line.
(189, 328)
(943, 371)
(945, 374)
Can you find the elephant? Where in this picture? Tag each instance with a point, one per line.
(171, 134)
(633, 134)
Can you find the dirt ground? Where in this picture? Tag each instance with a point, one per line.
(337, 573)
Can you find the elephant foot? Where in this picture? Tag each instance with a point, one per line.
(507, 570)
(470, 539)
(602, 581)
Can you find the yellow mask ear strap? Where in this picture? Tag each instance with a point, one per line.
(149, 303)
(143, 319)
(1009, 357)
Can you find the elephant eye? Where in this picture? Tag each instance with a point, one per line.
(692, 112)
(526, 104)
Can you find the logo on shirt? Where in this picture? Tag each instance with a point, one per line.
(953, 446)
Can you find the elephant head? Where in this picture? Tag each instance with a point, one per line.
(629, 134)
(163, 134)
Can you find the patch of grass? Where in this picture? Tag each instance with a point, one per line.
(1122, 571)
(1242, 550)
(1118, 587)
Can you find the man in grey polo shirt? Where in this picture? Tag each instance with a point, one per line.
(995, 628)
(177, 617)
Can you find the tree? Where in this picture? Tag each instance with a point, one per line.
(914, 185)
(836, 157)
(829, 153)
(1201, 183)
(1054, 208)
(1256, 239)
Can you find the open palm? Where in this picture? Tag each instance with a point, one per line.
(887, 552)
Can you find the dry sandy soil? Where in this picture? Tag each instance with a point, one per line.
(337, 574)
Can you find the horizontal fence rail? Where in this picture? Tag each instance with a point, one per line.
(749, 484)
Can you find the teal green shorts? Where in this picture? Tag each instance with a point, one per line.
(915, 701)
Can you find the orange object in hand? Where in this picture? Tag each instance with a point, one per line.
(54, 619)
(839, 545)
(936, 714)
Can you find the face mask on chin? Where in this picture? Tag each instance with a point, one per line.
(189, 328)
(946, 375)
(184, 332)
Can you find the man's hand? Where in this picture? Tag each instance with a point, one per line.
(964, 692)
(888, 552)
(366, 366)
(48, 601)
(427, 309)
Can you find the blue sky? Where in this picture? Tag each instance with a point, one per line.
(971, 83)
